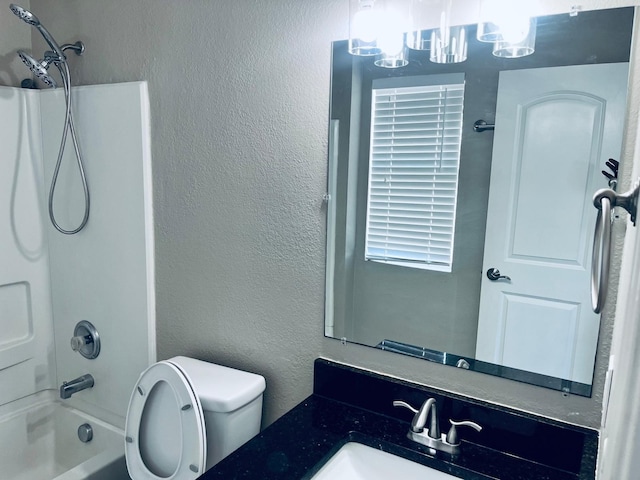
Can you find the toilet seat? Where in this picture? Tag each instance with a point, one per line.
(165, 435)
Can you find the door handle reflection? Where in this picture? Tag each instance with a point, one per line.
(493, 274)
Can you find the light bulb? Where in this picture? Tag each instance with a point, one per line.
(513, 28)
(366, 25)
(504, 20)
(391, 34)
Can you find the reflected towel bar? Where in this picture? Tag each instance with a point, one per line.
(482, 125)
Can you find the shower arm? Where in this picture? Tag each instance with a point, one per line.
(77, 47)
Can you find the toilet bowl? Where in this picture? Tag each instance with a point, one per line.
(186, 415)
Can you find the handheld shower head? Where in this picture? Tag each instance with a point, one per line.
(31, 19)
(39, 68)
(24, 14)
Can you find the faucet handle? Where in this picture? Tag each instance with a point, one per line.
(80, 341)
(421, 415)
(452, 436)
(417, 423)
(400, 403)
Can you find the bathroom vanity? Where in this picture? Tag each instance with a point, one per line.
(353, 405)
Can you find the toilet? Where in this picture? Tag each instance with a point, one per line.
(186, 415)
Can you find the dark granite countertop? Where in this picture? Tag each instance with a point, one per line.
(293, 447)
(350, 404)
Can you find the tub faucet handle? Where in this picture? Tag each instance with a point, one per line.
(86, 340)
(80, 341)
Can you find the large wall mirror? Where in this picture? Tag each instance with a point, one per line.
(501, 284)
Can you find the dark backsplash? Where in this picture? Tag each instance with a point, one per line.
(538, 439)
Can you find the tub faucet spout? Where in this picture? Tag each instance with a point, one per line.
(69, 388)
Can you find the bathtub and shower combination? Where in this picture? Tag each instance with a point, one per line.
(65, 260)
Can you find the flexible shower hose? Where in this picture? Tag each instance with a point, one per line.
(68, 126)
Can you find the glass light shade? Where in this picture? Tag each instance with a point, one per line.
(449, 45)
(519, 47)
(365, 23)
(488, 32)
(375, 24)
(393, 45)
(505, 20)
(419, 40)
(427, 15)
(393, 60)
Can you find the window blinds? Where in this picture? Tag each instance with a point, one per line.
(413, 175)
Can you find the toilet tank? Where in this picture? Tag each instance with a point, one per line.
(232, 403)
(227, 431)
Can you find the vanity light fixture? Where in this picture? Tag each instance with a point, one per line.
(378, 27)
(449, 45)
(493, 14)
(509, 26)
(365, 24)
(393, 60)
(517, 48)
(423, 13)
(392, 38)
(388, 29)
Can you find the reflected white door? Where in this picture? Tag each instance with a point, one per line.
(555, 128)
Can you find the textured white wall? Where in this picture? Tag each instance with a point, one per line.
(239, 109)
(239, 104)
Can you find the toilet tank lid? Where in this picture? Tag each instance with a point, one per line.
(220, 389)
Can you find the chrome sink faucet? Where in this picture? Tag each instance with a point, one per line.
(74, 386)
(431, 436)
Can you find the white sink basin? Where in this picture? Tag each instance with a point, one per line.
(355, 461)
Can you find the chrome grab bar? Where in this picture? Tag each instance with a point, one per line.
(605, 200)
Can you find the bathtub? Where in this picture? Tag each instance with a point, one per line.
(39, 441)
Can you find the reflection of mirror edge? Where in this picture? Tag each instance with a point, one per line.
(566, 386)
(450, 359)
(330, 201)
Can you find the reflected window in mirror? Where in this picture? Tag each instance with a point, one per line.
(414, 158)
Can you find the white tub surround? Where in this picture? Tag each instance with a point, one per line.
(42, 432)
(27, 360)
(104, 274)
